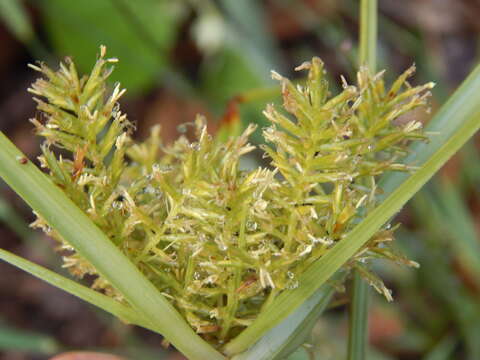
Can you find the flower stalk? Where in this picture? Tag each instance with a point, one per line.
(358, 320)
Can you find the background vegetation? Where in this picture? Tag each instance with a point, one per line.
(184, 57)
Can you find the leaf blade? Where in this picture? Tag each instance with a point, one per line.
(90, 242)
(86, 294)
(325, 267)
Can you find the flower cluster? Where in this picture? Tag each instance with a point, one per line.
(218, 241)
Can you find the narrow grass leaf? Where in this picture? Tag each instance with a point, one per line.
(286, 337)
(89, 241)
(325, 267)
(461, 228)
(15, 17)
(23, 341)
(443, 350)
(358, 315)
(95, 298)
(358, 320)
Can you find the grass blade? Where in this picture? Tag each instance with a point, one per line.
(439, 279)
(460, 108)
(22, 341)
(286, 337)
(368, 34)
(325, 267)
(443, 350)
(358, 321)
(12, 220)
(16, 18)
(89, 241)
(461, 228)
(95, 298)
(247, 31)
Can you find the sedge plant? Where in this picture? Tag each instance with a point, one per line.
(227, 262)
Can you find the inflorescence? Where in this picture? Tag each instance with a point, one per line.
(220, 242)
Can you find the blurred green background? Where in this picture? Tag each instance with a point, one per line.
(183, 57)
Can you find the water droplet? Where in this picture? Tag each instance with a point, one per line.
(260, 205)
(150, 189)
(213, 313)
(116, 108)
(251, 225)
(117, 205)
(269, 130)
(182, 128)
(388, 226)
(195, 146)
(161, 168)
(166, 168)
(292, 284)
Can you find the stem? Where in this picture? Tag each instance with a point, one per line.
(358, 324)
(368, 34)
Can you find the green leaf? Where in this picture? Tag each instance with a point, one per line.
(18, 340)
(326, 266)
(88, 240)
(461, 227)
(443, 350)
(358, 315)
(286, 337)
(368, 34)
(227, 75)
(11, 219)
(16, 18)
(249, 35)
(95, 298)
(140, 35)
